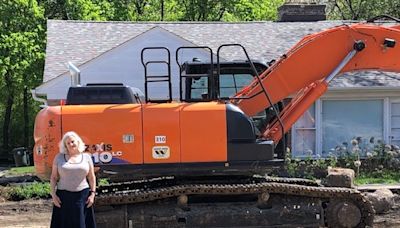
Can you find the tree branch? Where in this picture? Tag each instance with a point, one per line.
(340, 10)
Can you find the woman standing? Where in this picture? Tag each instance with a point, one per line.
(73, 185)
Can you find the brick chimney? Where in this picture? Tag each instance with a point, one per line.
(301, 11)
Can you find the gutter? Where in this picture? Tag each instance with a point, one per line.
(39, 99)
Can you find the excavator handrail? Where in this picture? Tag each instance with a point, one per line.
(256, 74)
(211, 75)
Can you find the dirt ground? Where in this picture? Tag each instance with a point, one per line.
(27, 213)
(390, 219)
(37, 213)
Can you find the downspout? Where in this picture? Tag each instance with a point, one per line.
(39, 99)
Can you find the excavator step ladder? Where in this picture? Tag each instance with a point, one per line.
(157, 78)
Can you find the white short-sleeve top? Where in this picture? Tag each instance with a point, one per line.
(72, 176)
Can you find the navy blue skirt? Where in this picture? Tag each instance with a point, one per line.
(73, 212)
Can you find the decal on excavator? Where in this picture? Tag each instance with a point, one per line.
(99, 147)
(102, 152)
(160, 139)
(161, 152)
(106, 156)
(128, 138)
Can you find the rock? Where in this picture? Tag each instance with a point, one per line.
(381, 199)
(339, 177)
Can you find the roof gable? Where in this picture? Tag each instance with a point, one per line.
(80, 42)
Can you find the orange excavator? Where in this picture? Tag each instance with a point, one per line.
(201, 161)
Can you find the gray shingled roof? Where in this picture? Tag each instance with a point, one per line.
(82, 41)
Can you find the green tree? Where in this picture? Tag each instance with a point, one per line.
(100, 10)
(54, 9)
(21, 63)
(88, 10)
(225, 10)
(253, 10)
(162, 10)
(203, 10)
(144, 10)
(361, 9)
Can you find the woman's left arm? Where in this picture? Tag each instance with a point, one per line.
(92, 184)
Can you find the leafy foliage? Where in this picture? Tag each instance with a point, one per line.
(246, 10)
(22, 41)
(373, 162)
(28, 191)
(362, 9)
(164, 10)
(88, 10)
(103, 181)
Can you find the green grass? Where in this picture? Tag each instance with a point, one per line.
(28, 191)
(21, 170)
(388, 177)
(34, 190)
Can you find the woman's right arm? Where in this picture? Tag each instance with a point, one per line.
(53, 183)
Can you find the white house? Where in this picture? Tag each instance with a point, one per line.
(363, 104)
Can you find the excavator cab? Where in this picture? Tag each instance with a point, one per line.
(233, 76)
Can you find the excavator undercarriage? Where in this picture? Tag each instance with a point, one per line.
(242, 202)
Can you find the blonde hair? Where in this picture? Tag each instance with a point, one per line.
(63, 147)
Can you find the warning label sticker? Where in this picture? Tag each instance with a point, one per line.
(161, 152)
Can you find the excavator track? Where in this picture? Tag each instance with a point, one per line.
(342, 207)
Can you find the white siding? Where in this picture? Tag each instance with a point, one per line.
(123, 64)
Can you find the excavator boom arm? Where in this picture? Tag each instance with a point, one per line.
(306, 69)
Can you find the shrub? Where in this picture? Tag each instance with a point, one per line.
(370, 159)
(28, 191)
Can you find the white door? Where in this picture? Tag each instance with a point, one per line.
(395, 123)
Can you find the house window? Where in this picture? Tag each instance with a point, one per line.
(344, 120)
(304, 135)
(395, 123)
